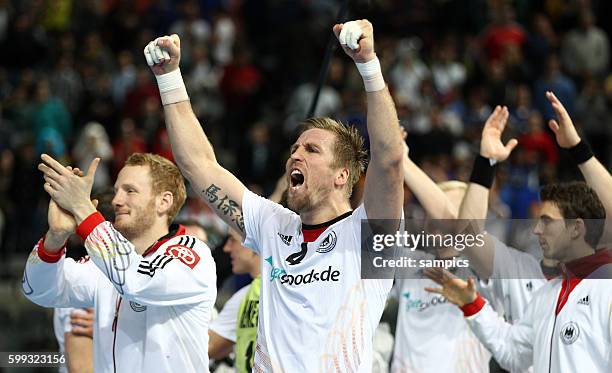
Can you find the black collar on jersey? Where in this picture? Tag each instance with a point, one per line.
(327, 223)
(173, 231)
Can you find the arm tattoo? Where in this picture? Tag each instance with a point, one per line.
(224, 205)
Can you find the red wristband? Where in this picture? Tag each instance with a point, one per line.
(46, 256)
(474, 307)
(89, 224)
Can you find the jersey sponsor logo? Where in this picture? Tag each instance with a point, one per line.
(422, 305)
(328, 243)
(148, 267)
(327, 275)
(137, 307)
(296, 258)
(286, 239)
(570, 333)
(584, 301)
(184, 251)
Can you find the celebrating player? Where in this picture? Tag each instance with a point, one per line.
(316, 313)
(152, 286)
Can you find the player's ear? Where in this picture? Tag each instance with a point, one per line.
(342, 176)
(164, 202)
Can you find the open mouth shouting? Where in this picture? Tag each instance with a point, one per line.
(296, 180)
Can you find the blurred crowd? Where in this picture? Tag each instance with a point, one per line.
(74, 84)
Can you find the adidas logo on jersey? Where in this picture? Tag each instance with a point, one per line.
(585, 301)
(286, 239)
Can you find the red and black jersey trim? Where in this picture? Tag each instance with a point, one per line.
(174, 230)
(312, 232)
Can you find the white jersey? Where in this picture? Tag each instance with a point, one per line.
(316, 314)
(152, 312)
(225, 324)
(432, 335)
(515, 278)
(61, 326)
(565, 328)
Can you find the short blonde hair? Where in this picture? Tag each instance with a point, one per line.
(165, 176)
(348, 147)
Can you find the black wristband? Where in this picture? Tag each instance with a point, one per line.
(483, 173)
(580, 153)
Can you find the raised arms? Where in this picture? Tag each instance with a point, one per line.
(192, 150)
(383, 195)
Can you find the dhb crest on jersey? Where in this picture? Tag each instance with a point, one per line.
(570, 333)
(328, 243)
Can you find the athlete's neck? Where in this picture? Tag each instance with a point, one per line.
(256, 271)
(328, 210)
(147, 238)
(577, 251)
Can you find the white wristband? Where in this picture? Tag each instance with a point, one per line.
(371, 73)
(171, 87)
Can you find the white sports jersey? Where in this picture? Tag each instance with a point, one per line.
(61, 326)
(225, 324)
(152, 312)
(566, 327)
(431, 334)
(316, 314)
(516, 276)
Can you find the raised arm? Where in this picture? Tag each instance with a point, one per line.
(433, 199)
(595, 174)
(192, 151)
(473, 210)
(511, 345)
(383, 195)
(50, 279)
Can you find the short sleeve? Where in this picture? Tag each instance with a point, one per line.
(225, 324)
(257, 211)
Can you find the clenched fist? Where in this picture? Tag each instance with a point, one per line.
(357, 39)
(163, 54)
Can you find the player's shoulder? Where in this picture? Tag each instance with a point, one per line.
(271, 210)
(188, 249)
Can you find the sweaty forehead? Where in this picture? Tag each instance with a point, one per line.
(317, 136)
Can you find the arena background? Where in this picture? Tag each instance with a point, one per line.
(74, 84)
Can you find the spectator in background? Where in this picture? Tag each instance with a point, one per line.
(554, 80)
(448, 74)
(593, 115)
(502, 32)
(586, 49)
(191, 25)
(51, 122)
(538, 144)
(203, 82)
(408, 72)
(329, 103)
(129, 141)
(124, 78)
(65, 83)
(224, 35)
(259, 157)
(521, 109)
(541, 41)
(93, 143)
